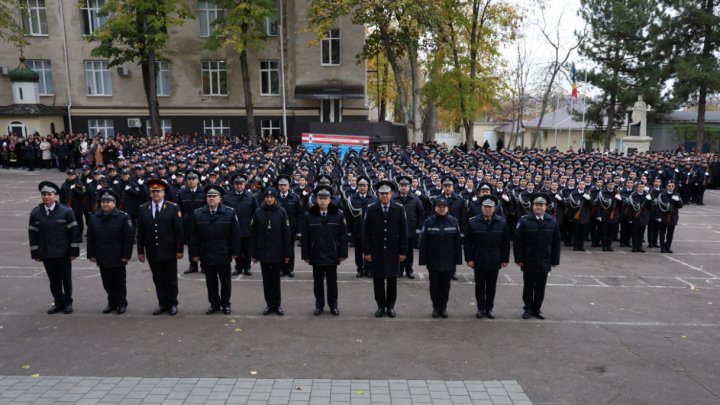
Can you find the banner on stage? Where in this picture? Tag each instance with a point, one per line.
(343, 142)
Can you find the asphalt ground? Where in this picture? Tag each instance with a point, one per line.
(621, 327)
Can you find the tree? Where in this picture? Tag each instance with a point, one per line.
(10, 30)
(688, 35)
(137, 31)
(243, 27)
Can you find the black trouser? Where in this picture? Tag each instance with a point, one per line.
(213, 274)
(406, 266)
(362, 266)
(485, 286)
(595, 232)
(164, 274)
(242, 263)
(608, 231)
(113, 279)
(271, 283)
(534, 289)
(440, 288)
(59, 271)
(320, 273)
(289, 267)
(653, 229)
(637, 232)
(579, 232)
(383, 298)
(79, 218)
(666, 235)
(625, 232)
(566, 232)
(697, 195)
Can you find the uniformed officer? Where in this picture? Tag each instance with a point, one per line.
(292, 205)
(456, 206)
(110, 244)
(440, 251)
(73, 195)
(357, 205)
(190, 197)
(415, 217)
(245, 204)
(487, 250)
(637, 208)
(385, 245)
(324, 247)
(270, 244)
(537, 250)
(55, 237)
(160, 237)
(214, 241)
(667, 205)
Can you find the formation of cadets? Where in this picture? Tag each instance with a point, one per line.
(235, 204)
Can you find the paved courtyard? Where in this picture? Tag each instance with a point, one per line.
(622, 328)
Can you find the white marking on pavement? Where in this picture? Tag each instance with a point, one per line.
(691, 266)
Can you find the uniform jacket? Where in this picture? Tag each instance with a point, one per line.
(356, 213)
(215, 239)
(324, 239)
(110, 238)
(637, 208)
(414, 211)
(537, 243)
(440, 248)
(54, 236)
(385, 238)
(293, 208)
(160, 238)
(666, 209)
(73, 194)
(487, 243)
(270, 237)
(458, 209)
(244, 204)
(133, 196)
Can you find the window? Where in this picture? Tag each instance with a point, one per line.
(90, 19)
(44, 69)
(17, 128)
(209, 12)
(216, 127)
(97, 78)
(330, 48)
(101, 128)
(269, 128)
(214, 78)
(269, 78)
(331, 111)
(271, 26)
(166, 127)
(162, 74)
(34, 17)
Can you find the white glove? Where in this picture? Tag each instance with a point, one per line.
(659, 220)
(618, 197)
(203, 178)
(586, 196)
(140, 182)
(418, 231)
(506, 198)
(99, 187)
(675, 198)
(598, 219)
(172, 177)
(707, 174)
(474, 198)
(88, 181)
(418, 193)
(647, 197)
(127, 188)
(558, 197)
(72, 187)
(116, 182)
(677, 171)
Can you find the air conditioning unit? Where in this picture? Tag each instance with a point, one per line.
(123, 71)
(134, 123)
(4, 71)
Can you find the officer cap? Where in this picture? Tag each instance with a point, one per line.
(107, 194)
(85, 167)
(192, 174)
(384, 186)
(70, 172)
(238, 178)
(363, 180)
(124, 171)
(448, 180)
(270, 191)
(48, 187)
(213, 189)
(157, 184)
(325, 179)
(440, 201)
(323, 191)
(404, 180)
(539, 198)
(283, 179)
(484, 185)
(489, 200)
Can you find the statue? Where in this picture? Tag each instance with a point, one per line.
(639, 116)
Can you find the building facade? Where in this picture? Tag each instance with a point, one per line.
(200, 91)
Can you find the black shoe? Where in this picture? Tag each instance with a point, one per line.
(391, 312)
(159, 310)
(526, 314)
(641, 250)
(108, 309)
(359, 274)
(580, 249)
(368, 274)
(190, 270)
(410, 276)
(609, 249)
(538, 314)
(379, 313)
(121, 309)
(480, 314)
(248, 272)
(667, 250)
(226, 310)
(236, 272)
(68, 309)
(335, 311)
(436, 313)
(634, 250)
(490, 314)
(444, 313)
(317, 311)
(172, 311)
(662, 250)
(291, 274)
(283, 274)
(453, 277)
(212, 309)
(279, 311)
(55, 309)
(267, 311)
(604, 249)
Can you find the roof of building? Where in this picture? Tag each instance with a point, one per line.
(30, 109)
(22, 73)
(690, 116)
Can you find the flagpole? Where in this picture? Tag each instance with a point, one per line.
(584, 107)
(572, 108)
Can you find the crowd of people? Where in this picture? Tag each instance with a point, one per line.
(232, 200)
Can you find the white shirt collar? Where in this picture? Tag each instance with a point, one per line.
(50, 208)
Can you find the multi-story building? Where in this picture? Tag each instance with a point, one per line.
(199, 90)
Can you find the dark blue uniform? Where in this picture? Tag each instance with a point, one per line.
(357, 206)
(270, 244)
(487, 245)
(292, 205)
(441, 252)
(189, 201)
(415, 213)
(245, 205)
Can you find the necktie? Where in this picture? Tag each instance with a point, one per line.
(157, 210)
(385, 209)
(323, 214)
(212, 212)
(47, 212)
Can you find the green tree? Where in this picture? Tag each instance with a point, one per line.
(688, 34)
(137, 31)
(243, 27)
(10, 29)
